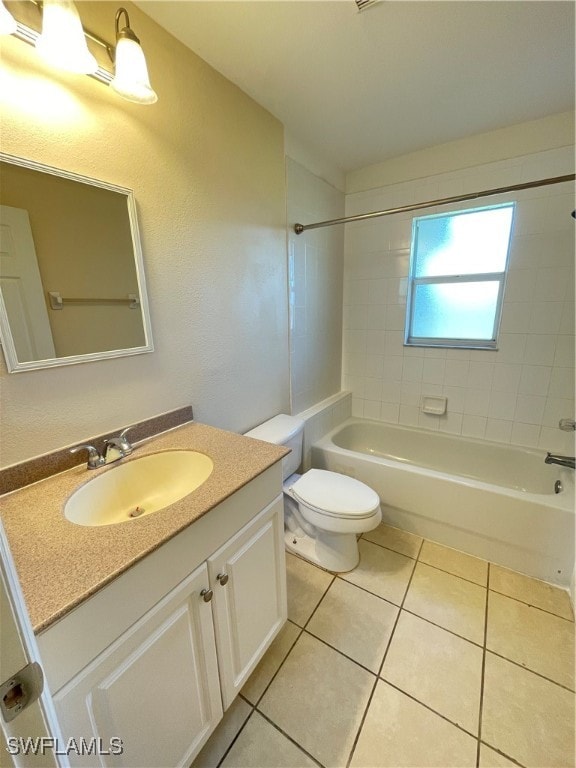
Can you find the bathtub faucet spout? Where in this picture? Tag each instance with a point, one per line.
(563, 461)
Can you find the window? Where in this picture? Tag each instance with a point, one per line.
(457, 270)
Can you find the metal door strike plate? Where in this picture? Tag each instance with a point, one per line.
(20, 690)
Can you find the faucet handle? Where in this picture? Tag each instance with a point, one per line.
(94, 458)
(121, 442)
(124, 439)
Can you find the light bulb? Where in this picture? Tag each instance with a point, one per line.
(7, 22)
(131, 76)
(62, 42)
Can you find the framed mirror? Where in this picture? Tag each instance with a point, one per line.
(72, 286)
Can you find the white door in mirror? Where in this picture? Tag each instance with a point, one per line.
(21, 287)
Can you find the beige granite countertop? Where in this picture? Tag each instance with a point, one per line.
(60, 564)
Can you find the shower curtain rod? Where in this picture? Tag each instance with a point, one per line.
(299, 228)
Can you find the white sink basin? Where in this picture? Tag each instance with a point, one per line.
(138, 488)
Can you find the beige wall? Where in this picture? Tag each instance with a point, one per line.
(207, 167)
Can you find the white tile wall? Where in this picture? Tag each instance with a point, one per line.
(315, 270)
(516, 394)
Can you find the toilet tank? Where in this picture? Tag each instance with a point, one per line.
(283, 430)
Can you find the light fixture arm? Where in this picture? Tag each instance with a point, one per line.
(126, 32)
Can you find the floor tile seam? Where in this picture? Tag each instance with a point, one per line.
(345, 655)
(533, 671)
(531, 605)
(456, 575)
(298, 636)
(414, 563)
(450, 631)
(353, 583)
(300, 557)
(361, 724)
(481, 703)
(237, 735)
(319, 603)
(499, 751)
(368, 703)
(287, 736)
(390, 549)
(401, 607)
(430, 709)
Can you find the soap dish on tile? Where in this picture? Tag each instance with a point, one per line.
(433, 404)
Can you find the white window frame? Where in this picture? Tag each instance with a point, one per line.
(479, 277)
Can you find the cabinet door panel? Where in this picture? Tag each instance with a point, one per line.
(156, 687)
(250, 608)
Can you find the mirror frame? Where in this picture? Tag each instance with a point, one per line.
(6, 339)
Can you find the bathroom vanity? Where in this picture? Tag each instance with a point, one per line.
(149, 629)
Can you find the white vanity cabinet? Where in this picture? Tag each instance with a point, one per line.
(248, 575)
(155, 688)
(162, 683)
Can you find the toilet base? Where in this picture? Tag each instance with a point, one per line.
(336, 552)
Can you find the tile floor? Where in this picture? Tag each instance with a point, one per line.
(422, 656)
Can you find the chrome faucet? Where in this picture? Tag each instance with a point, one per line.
(95, 460)
(120, 444)
(114, 448)
(563, 461)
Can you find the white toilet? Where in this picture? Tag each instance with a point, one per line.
(323, 511)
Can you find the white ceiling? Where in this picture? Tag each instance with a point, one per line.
(398, 77)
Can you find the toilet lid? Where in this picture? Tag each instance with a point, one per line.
(335, 495)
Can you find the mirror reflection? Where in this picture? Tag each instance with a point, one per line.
(71, 279)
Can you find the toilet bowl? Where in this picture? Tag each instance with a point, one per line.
(324, 512)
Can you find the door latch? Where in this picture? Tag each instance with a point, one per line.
(21, 690)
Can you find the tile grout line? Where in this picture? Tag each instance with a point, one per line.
(456, 575)
(482, 674)
(319, 603)
(298, 636)
(362, 721)
(345, 655)
(450, 631)
(237, 735)
(528, 669)
(287, 736)
(254, 706)
(431, 565)
(503, 754)
(391, 549)
(259, 699)
(531, 605)
(385, 599)
(429, 708)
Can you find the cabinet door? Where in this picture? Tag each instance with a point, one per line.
(248, 576)
(156, 688)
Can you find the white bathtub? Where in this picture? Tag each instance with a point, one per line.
(491, 500)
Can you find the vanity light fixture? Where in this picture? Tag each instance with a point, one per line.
(131, 73)
(63, 43)
(8, 23)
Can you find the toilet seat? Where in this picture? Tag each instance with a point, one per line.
(335, 495)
